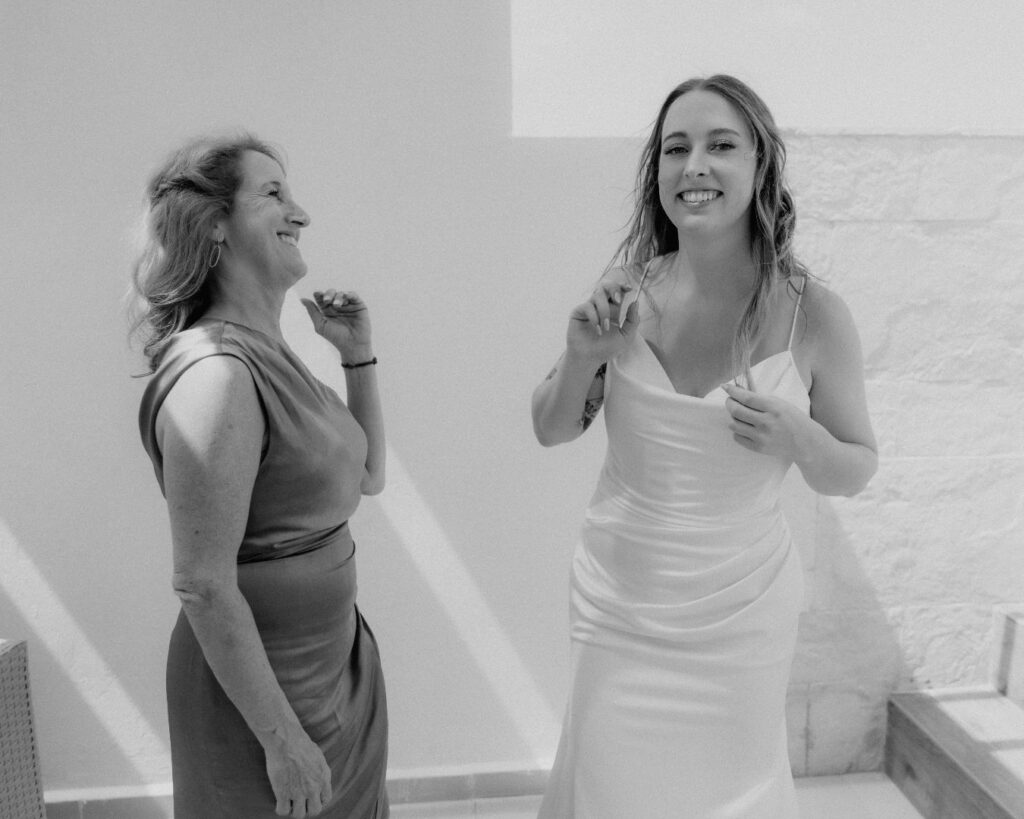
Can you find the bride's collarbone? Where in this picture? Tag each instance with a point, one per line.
(696, 363)
(692, 367)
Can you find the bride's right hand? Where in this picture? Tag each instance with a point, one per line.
(598, 330)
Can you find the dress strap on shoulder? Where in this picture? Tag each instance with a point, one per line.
(796, 312)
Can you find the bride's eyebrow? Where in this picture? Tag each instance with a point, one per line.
(712, 133)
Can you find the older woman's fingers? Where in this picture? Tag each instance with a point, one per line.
(315, 315)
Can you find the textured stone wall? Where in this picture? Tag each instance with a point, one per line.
(924, 239)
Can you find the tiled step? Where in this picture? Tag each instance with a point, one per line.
(1009, 645)
(958, 753)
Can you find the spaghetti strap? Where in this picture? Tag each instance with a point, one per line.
(796, 312)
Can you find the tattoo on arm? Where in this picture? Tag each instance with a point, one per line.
(595, 399)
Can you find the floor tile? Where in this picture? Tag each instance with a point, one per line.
(433, 810)
(854, 796)
(517, 807)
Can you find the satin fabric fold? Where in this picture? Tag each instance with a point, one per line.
(684, 596)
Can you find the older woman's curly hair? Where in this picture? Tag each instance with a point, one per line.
(185, 198)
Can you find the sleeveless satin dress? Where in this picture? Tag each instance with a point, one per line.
(685, 594)
(297, 571)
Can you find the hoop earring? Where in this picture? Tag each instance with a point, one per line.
(214, 259)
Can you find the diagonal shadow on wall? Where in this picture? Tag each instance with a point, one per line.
(82, 710)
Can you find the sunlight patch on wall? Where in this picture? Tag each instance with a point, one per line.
(55, 627)
(442, 571)
(456, 591)
(600, 68)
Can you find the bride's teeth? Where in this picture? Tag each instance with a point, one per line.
(694, 197)
(288, 239)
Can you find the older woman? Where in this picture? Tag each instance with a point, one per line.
(719, 364)
(275, 694)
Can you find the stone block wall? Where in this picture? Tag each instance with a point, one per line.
(924, 239)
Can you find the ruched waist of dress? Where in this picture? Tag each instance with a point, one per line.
(619, 506)
(305, 603)
(680, 586)
(292, 548)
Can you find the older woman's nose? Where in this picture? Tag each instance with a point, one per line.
(298, 216)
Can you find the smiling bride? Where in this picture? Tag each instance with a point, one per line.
(719, 363)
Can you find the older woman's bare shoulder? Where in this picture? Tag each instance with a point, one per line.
(213, 396)
(223, 377)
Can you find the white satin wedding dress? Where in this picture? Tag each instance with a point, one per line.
(685, 594)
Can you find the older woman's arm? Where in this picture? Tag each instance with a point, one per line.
(363, 398)
(343, 319)
(210, 431)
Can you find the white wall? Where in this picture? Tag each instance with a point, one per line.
(602, 67)
(470, 245)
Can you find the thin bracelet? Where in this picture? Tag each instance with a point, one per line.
(360, 364)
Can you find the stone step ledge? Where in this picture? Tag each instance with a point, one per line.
(958, 753)
(1008, 672)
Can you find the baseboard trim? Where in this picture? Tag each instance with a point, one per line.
(460, 787)
(410, 786)
(404, 787)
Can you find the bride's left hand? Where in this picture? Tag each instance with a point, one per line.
(342, 318)
(766, 424)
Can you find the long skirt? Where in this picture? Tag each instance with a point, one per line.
(324, 657)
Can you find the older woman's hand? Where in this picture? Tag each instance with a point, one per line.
(299, 776)
(343, 319)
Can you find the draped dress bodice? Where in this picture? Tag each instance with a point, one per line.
(672, 465)
(684, 600)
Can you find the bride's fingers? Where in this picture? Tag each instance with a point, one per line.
(628, 323)
(616, 292)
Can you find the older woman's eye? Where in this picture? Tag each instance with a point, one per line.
(675, 149)
(722, 145)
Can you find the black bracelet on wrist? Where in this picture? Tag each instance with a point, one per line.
(360, 364)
